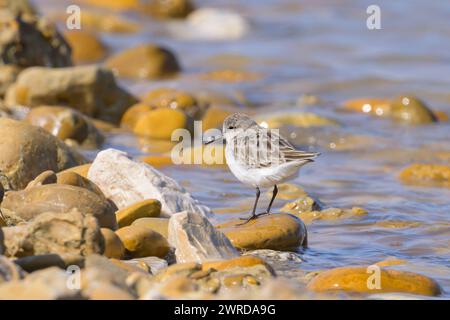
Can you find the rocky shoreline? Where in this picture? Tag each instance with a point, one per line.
(126, 229)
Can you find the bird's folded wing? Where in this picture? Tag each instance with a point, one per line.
(264, 148)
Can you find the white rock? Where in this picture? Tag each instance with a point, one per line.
(126, 181)
(211, 24)
(196, 240)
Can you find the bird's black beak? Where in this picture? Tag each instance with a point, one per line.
(212, 139)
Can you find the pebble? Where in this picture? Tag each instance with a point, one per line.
(144, 209)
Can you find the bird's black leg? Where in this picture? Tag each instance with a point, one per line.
(274, 194)
(253, 216)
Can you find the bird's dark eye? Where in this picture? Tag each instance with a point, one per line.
(230, 127)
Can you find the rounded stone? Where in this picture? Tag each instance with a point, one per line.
(411, 110)
(356, 279)
(275, 231)
(114, 247)
(26, 151)
(143, 209)
(145, 61)
(160, 123)
(160, 225)
(133, 114)
(27, 204)
(66, 124)
(86, 46)
(143, 242)
(173, 99)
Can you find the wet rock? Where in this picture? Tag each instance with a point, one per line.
(212, 24)
(426, 175)
(143, 209)
(160, 225)
(356, 279)
(303, 204)
(114, 247)
(8, 75)
(126, 181)
(67, 124)
(276, 231)
(31, 41)
(161, 9)
(296, 119)
(24, 205)
(411, 110)
(60, 233)
(196, 239)
(74, 179)
(43, 261)
(86, 46)
(133, 114)
(27, 151)
(47, 284)
(406, 109)
(161, 123)
(329, 214)
(397, 224)
(145, 61)
(143, 242)
(88, 89)
(174, 99)
(10, 271)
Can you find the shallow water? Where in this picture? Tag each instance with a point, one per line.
(324, 48)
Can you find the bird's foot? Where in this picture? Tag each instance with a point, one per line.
(252, 217)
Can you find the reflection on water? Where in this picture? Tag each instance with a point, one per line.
(324, 48)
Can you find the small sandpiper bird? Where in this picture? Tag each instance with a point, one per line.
(260, 157)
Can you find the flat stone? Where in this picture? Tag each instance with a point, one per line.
(196, 239)
(126, 181)
(275, 231)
